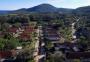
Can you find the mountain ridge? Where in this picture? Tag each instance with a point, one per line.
(42, 8)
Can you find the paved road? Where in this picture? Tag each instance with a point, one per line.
(39, 53)
(36, 58)
(74, 30)
(41, 47)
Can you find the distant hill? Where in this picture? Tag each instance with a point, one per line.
(43, 8)
(82, 10)
(4, 11)
(65, 10)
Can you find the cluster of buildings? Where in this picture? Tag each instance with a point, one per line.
(51, 34)
(72, 51)
(78, 56)
(7, 54)
(24, 33)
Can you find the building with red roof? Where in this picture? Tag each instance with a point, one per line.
(7, 54)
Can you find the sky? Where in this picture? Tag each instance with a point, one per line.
(17, 4)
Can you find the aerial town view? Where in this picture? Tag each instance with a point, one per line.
(44, 31)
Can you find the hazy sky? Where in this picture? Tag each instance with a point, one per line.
(17, 4)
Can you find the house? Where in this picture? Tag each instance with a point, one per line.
(83, 31)
(7, 54)
(12, 30)
(51, 34)
(19, 47)
(82, 56)
(25, 24)
(52, 37)
(24, 36)
(2, 34)
(22, 32)
(67, 47)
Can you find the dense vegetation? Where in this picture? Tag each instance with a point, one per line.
(63, 21)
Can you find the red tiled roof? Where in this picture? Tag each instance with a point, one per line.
(2, 34)
(24, 36)
(5, 54)
(29, 30)
(26, 33)
(12, 29)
